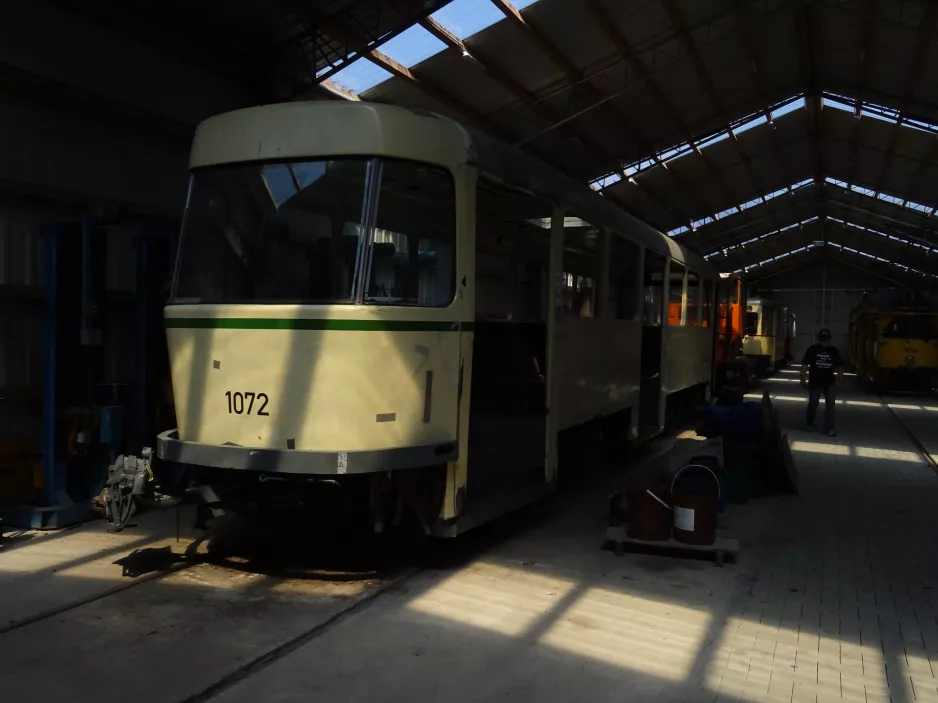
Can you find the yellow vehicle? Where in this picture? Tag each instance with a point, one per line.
(380, 309)
(768, 333)
(894, 340)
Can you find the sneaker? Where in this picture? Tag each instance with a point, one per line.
(809, 428)
(830, 433)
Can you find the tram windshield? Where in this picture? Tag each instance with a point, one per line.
(912, 327)
(369, 231)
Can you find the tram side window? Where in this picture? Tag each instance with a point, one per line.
(653, 289)
(512, 253)
(676, 295)
(706, 303)
(623, 278)
(752, 323)
(582, 258)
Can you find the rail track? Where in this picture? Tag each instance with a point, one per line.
(910, 432)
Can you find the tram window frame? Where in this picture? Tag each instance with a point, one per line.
(694, 299)
(677, 274)
(623, 279)
(250, 211)
(653, 312)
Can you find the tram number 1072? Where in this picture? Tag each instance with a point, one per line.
(243, 403)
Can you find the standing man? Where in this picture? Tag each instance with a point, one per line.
(819, 364)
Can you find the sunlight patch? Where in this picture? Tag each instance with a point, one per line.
(820, 448)
(655, 637)
(892, 454)
(492, 597)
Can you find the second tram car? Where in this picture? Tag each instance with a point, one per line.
(768, 333)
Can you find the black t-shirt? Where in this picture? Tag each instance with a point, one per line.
(823, 361)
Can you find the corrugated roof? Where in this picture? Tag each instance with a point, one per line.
(679, 110)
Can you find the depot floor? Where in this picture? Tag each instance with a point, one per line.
(834, 597)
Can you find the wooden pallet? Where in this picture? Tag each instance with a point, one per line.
(618, 540)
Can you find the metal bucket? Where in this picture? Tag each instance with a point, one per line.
(649, 515)
(695, 508)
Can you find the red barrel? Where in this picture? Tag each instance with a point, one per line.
(696, 505)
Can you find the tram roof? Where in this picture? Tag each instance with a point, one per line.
(297, 130)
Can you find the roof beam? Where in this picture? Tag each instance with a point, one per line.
(810, 254)
(813, 103)
(913, 76)
(438, 94)
(576, 77)
(509, 84)
(863, 79)
(627, 53)
(745, 35)
(356, 41)
(543, 43)
(680, 26)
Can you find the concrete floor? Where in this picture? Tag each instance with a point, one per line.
(832, 599)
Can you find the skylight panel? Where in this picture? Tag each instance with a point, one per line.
(860, 189)
(836, 182)
(890, 198)
(876, 115)
(920, 125)
(749, 124)
(701, 222)
(751, 203)
(775, 194)
(836, 104)
(718, 137)
(465, 18)
(789, 107)
(678, 231)
(918, 206)
(412, 46)
(729, 211)
(607, 180)
(360, 75)
(802, 184)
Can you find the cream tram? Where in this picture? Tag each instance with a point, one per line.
(382, 308)
(769, 331)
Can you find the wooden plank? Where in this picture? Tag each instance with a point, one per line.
(618, 538)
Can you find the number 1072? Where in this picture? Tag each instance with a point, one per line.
(244, 403)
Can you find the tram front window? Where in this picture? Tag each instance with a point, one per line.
(319, 232)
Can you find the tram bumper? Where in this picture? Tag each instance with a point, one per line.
(303, 462)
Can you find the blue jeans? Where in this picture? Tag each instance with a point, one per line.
(814, 398)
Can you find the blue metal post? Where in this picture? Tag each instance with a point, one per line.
(49, 406)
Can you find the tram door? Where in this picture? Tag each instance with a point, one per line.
(653, 321)
(508, 401)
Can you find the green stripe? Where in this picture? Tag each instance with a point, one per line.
(265, 323)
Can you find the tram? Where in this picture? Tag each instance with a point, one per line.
(381, 308)
(894, 340)
(769, 330)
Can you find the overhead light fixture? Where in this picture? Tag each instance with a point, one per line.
(632, 181)
(465, 52)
